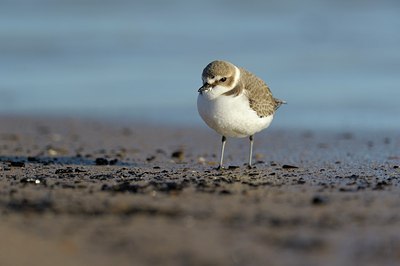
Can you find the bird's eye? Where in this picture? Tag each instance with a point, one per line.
(223, 80)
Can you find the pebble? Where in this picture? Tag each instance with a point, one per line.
(287, 166)
(178, 154)
(101, 161)
(17, 164)
(319, 200)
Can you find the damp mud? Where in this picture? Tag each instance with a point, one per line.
(84, 192)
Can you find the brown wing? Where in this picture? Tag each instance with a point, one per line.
(260, 96)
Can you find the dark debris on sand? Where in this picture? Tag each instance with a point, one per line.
(138, 198)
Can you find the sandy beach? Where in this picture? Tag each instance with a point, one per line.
(87, 192)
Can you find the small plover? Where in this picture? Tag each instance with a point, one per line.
(235, 103)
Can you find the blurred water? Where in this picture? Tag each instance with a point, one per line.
(337, 63)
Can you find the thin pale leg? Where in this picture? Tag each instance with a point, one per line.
(222, 153)
(251, 149)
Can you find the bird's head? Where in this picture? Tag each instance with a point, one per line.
(220, 75)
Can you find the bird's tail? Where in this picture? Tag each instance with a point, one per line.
(278, 103)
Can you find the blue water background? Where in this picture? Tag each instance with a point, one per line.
(336, 63)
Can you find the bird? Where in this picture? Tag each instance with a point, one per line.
(235, 103)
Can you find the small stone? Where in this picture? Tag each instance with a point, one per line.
(178, 154)
(301, 181)
(201, 160)
(225, 192)
(52, 152)
(286, 166)
(32, 180)
(101, 161)
(319, 200)
(150, 158)
(32, 159)
(381, 185)
(113, 161)
(17, 164)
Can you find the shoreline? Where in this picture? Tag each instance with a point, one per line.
(99, 192)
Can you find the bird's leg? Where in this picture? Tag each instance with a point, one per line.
(251, 150)
(222, 153)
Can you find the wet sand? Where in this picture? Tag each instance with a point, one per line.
(84, 192)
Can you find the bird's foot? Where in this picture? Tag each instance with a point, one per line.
(231, 167)
(249, 166)
(220, 168)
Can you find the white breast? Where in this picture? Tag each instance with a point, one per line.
(230, 116)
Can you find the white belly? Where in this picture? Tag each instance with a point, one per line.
(231, 116)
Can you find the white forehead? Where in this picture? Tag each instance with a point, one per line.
(210, 80)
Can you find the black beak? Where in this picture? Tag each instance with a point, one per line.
(205, 87)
